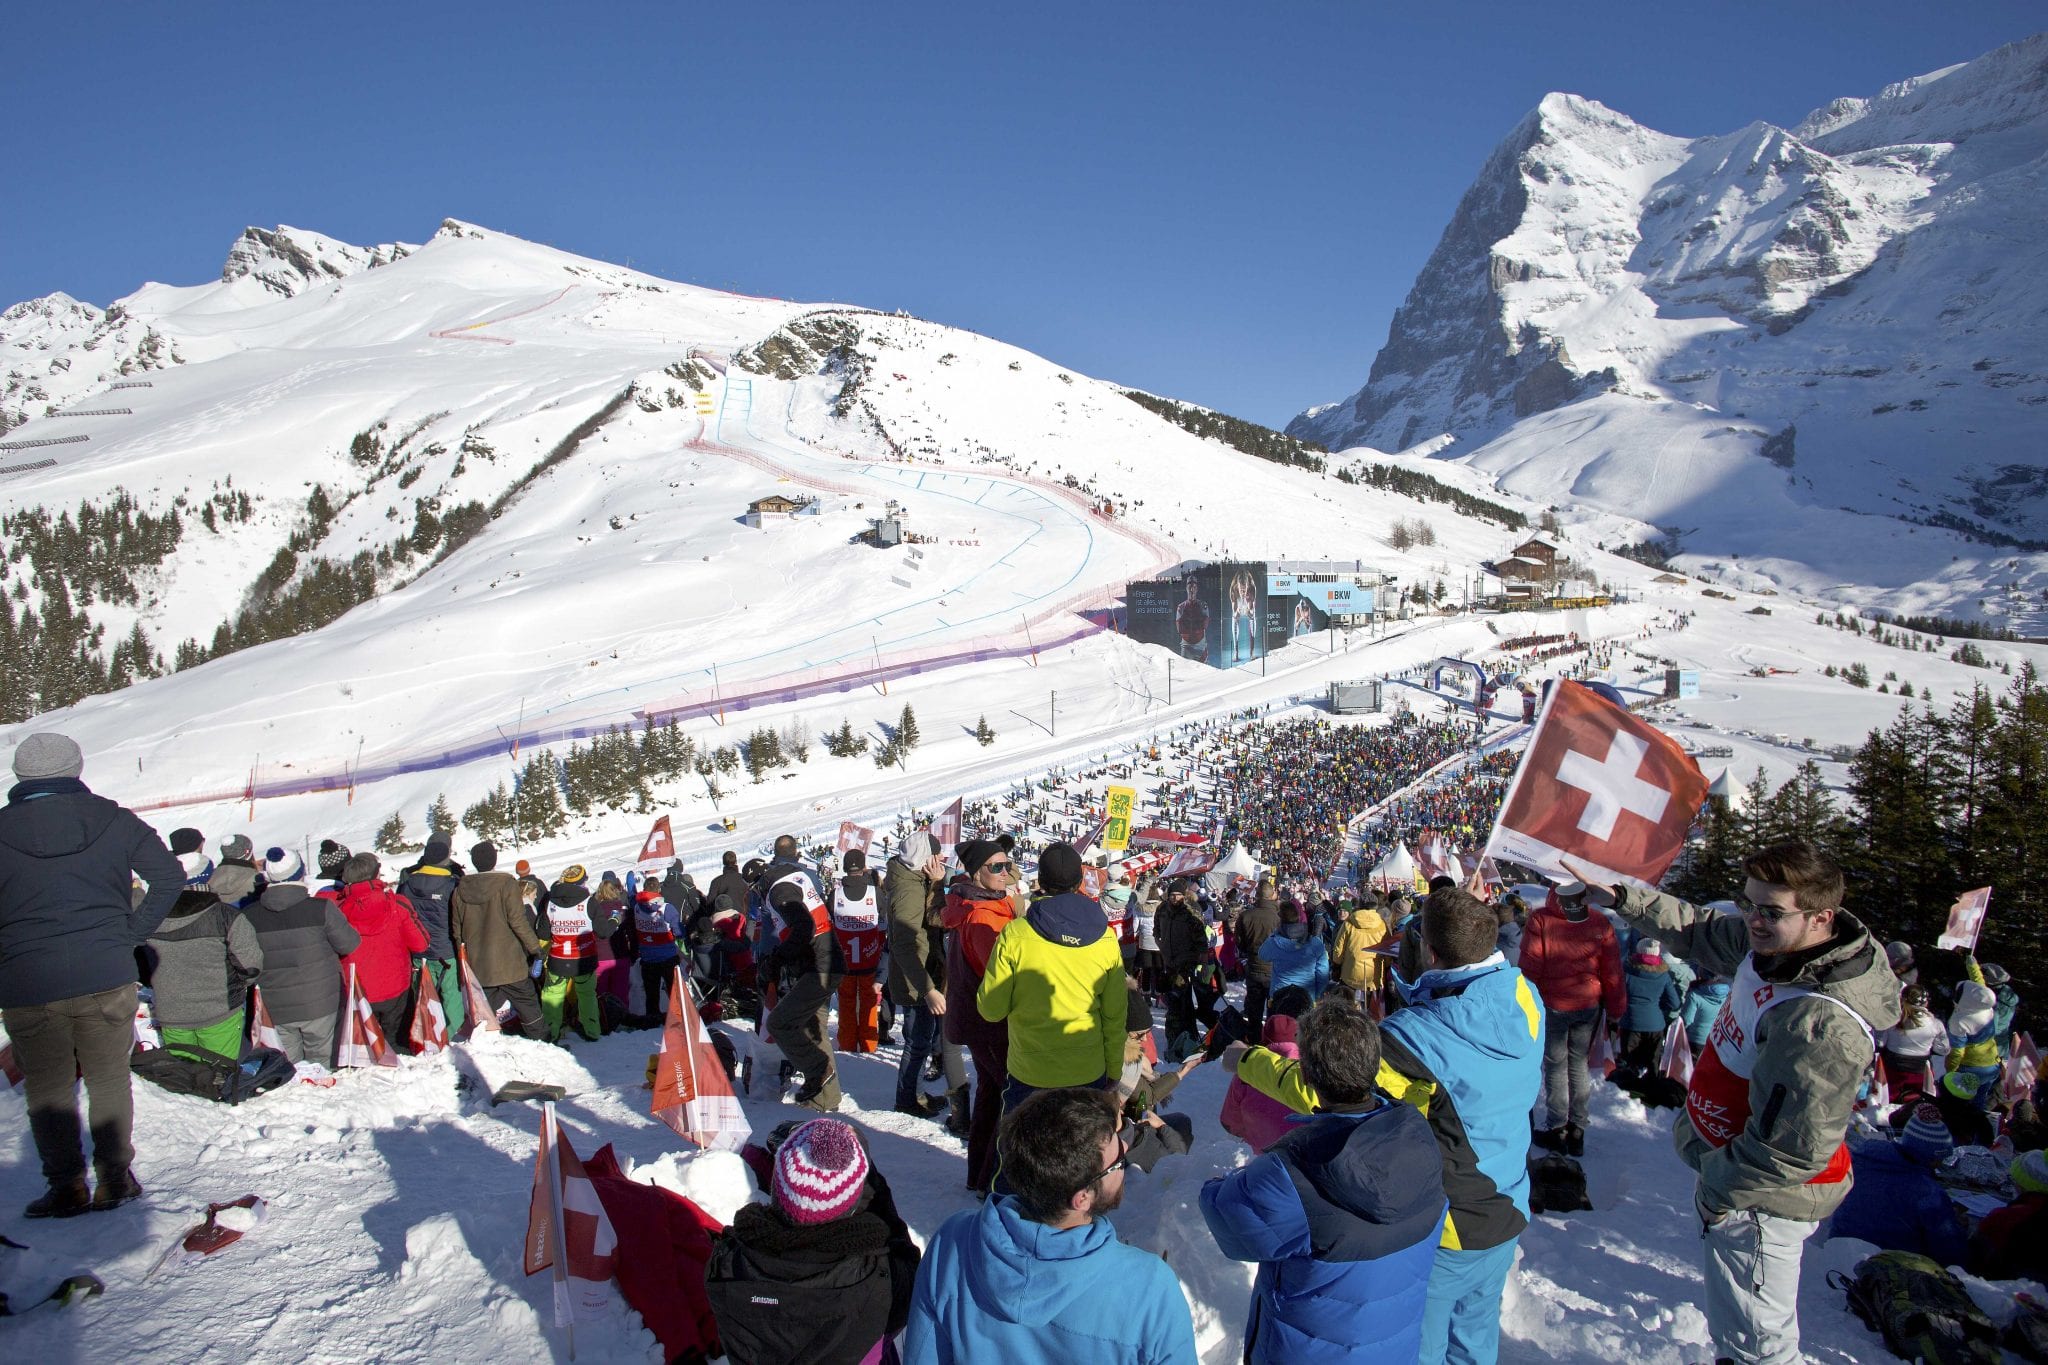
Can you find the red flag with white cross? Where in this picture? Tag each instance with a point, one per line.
(1601, 787)
(660, 842)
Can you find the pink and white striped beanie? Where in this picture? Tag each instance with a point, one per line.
(820, 1170)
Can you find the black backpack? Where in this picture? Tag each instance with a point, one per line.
(1557, 1184)
(1920, 1309)
(195, 1071)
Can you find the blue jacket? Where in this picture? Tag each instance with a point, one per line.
(1343, 1215)
(67, 863)
(1305, 964)
(995, 1286)
(1467, 1050)
(1653, 998)
(1702, 1007)
(1897, 1205)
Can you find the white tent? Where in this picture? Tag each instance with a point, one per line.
(1726, 791)
(1236, 863)
(1396, 869)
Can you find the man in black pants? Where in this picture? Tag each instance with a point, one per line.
(1183, 940)
(1254, 927)
(809, 964)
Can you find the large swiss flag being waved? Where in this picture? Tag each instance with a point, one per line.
(1601, 787)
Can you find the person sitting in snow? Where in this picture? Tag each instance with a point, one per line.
(1343, 1213)
(822, 1275)
(1895, 1203)
(1143, 1088)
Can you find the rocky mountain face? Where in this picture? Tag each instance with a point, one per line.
(1864, 295)
(288, 260)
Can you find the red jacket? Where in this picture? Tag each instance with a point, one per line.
(391, 935)
(1575, 966)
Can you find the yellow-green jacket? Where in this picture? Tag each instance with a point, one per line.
(1057, 975)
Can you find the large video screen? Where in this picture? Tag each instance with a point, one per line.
(1215, 615)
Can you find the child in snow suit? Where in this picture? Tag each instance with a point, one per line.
(1895, 1202)
(857, 924)
(656, 927)
(1653, 1002)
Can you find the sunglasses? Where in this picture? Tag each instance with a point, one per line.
(995, 865)
(1123, 1157)
(1769, 914)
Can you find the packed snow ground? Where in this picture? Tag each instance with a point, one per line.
(398, 1205)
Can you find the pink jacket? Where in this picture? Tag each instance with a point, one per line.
(1252, 1115)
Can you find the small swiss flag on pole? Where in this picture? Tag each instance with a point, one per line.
(945, 830)
(660, 843)
(1601, 787)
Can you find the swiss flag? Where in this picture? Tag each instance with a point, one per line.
(476, 1006)
(429, 1031)
(945, 830)
(362, 1043)
(853, 836)
(692, 1093)
(2022, 1069)
(262, 1029)
(1675, 1058)
(660, 842)
(1601, 787)
(567, 1229)
(1093, 881)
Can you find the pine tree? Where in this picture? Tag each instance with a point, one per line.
(906, 729)
(889, 754)
(796, 742)
(982, 732)
(391, 836)
(537, 801)
(440, 819)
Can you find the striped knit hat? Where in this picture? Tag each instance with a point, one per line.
(820, 1170)
(1925, 1137)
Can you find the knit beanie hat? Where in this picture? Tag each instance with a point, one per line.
(360, 867)
(483, 855)
(436, 850)
(1137, 1011)
(198, 867)
(1962, 1084)
(2030, 1172)
(1649, 951)
(976, 852)
(283, 865)
(237, 846)
(820, 1170)
(186, 840)
(1059, 868)
(1926, 1138)
(573, 874)
(523, 867)
(333, 857)
(48, 755)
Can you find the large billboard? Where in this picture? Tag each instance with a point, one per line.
(1327, 593)
(1215, 615)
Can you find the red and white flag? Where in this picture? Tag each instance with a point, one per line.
(1600, 1058)
(362, 1043)
(1094, 880)
(1880, 1086)
(2022, 1069)
(853, 836)
(262, 1029)
(429, 1031)
(1601, 787)
(1087, 841)
(476, 1006)
(1188, 861)
(660, 842)
(1966, 920)
(945, 830)
(692, 1093)
(567, 1230)
(1675, 1060)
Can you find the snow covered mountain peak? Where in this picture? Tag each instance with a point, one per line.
(1864, 300)
(286, 260)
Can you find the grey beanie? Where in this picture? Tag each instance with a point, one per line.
(48, 754)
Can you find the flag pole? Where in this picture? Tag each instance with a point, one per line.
(558, 1241)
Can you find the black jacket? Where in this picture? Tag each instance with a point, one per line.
(1182, 937)
(68, 926)
(789, 1293)
(1254, 927)
(802, 951)
(304, 939)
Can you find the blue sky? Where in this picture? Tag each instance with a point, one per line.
(1220, 202)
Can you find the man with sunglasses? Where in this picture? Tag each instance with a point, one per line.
(1772, 1091)
(1038, 1276)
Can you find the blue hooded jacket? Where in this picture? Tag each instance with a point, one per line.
(996, 1286)
(1654, 998)
(1302, 962)
(1343, 1214)
(1467, 1050)
(1896, 1204)
(1702, 1007)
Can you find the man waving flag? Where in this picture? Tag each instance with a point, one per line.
(1602, 787)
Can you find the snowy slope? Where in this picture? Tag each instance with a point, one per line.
(1862, 302)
